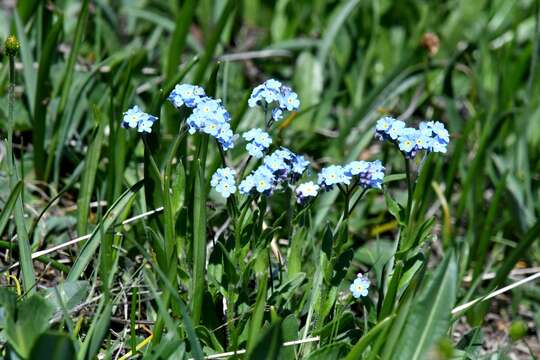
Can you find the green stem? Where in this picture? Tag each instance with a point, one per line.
(358, 200)
(409, 187)
(25, 257)
(199, 231)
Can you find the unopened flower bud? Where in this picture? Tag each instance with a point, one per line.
(12, 46)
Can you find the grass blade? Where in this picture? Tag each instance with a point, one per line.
(28, 61)
(199, 241)
(110, 217)
(213, 40)
(89, 173)
(366, 340)
(9, 206)
(331, 33)
(40, 103)
(429, 317)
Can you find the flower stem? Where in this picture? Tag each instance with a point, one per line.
(409, 187)
(357, 200)
(25, 257)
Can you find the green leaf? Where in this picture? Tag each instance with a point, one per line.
(30, 321)
(328, 241)
(9, 206)
(41, 103)
(70, 66)
(367, 340)
(89, 173)
(28, 61)
(213, 40)
(394, 208)
(111, 216)
(72, 294)
(308, 83)
(53, 346)
(255, 323)
(394, 177)
(335, 24)
(329, 352)
(290, 332)
(268, 344)
(429, 317)
(391, 292)
(199, 241)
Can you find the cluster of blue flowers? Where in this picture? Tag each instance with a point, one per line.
(135, 118)
(277, 168)
(360, 286)
(365, 173)
(431, 136)
(186, 94)
(273, 91)
(208, 116)
(258, 142)
(223, 181)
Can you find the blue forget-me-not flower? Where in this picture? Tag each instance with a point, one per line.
(273, 91)
(431, 136)
(369, 174)
(210, 117)
(282, 166)
(186, 94)
(306, 191)
(333, 175)
(135, 118)
(360, 286)
(259, 141)
(224, 182)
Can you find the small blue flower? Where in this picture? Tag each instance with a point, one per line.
(407, 144)
(397, 129)
(277, 114)
(290, 100)
(373, 177)
(132, 117)
(259, 141)
(186, 94)
(275, 163)
(333, 175)
(383, 125)
(145, 125)
(368, 174)
(225, 136)
(273, 84)
(224, 182)
(306, 191)
(278, 169)
(255, 150)
(273, 91)
(438, 134)
(210, 117)
(356, 168)
(360, 286)
(135, 118)
(431, 136)
(264, 180)
(299, 164)
(247, 185)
